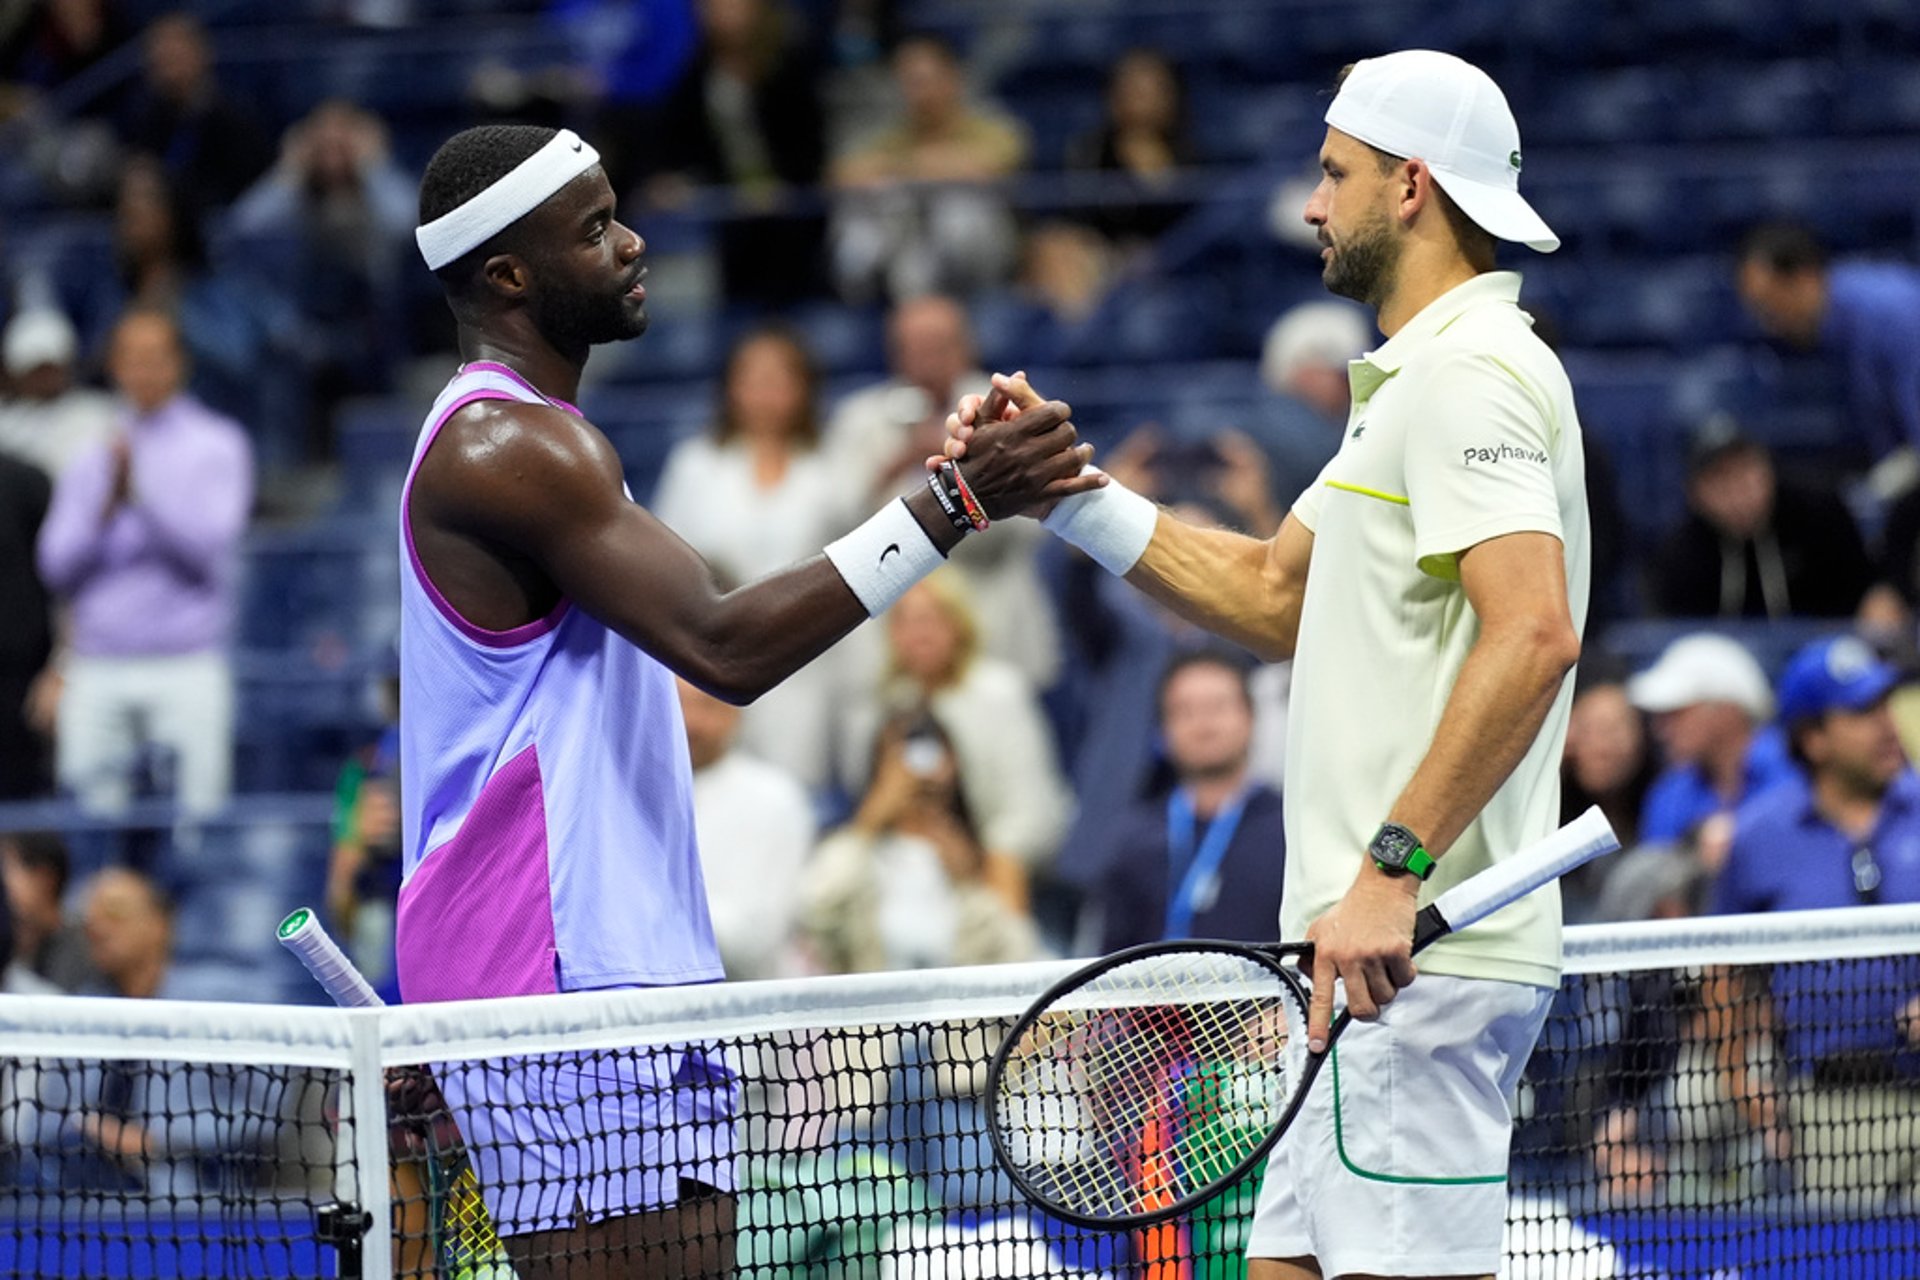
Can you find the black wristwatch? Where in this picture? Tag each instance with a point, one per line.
(1398, 852)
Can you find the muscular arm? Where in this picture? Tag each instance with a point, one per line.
(1527, 644)
(514, 497)
(1242, 588)
(1518, 588)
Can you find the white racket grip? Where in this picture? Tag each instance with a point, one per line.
(303, 935)
(1585, 838)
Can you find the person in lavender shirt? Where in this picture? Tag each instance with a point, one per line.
(141, 546)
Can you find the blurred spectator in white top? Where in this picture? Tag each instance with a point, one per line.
(755, 827)
(881, 433)
(48, 417)
(757, 493)
(210, 143)
(1752, 546)
(1304, 365)
(1143, 137)
(907, 883)
(34, 867)
(142, 543)
(1711, 705)
(879, 438)
(918, 211)
(332, 223)
(1009, 771)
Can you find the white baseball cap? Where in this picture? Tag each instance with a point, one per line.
(36, 337)
(1703, 668)
(1421, 105)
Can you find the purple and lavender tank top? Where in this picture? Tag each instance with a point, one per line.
(547, 798)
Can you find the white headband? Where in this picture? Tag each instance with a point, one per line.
(460, 231)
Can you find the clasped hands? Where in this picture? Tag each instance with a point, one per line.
(1013, 429)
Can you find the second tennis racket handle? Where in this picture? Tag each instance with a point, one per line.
(302, 934)
(1512, 878)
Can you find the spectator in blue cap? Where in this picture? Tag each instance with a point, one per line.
(1848, 834)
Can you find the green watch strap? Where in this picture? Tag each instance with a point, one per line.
(1420, 862)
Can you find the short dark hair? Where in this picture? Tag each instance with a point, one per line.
(1207, 656)
(465, 165)
(44, 852)
(1785, 247)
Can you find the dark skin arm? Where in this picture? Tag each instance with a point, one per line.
(518, 505)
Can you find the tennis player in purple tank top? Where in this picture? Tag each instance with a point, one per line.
(547, 815)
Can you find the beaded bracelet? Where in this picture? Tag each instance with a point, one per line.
(976, 513)
(949, 503)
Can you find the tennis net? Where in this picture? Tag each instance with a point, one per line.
(1711, 1097)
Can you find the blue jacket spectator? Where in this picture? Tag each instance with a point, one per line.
(1709, 701)
(1864, 315)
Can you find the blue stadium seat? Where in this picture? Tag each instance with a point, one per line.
(1010, 331)
(1779, 99)
(842, 338)
(1240, 123)
(1633, 104)
(1880, 97)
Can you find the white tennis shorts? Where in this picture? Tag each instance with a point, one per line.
(563, 1137)
(1397, 1162)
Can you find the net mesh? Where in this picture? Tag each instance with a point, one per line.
(1708, 1099)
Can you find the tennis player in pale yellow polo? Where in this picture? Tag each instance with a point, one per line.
(1431, 587)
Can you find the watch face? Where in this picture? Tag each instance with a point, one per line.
(1393, 846)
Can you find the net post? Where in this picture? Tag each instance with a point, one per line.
(366, 1102)
(344, 1226)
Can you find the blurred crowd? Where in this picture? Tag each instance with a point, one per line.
(1025, 757)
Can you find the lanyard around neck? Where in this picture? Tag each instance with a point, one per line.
(1200, 884)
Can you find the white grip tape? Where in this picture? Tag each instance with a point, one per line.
(1512, 878)
(1111, 524)
(885, 556)
(330, 967)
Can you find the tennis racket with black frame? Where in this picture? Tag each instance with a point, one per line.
(1151, 1080)
(460, 1241)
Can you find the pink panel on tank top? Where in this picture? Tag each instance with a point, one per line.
(476, 919)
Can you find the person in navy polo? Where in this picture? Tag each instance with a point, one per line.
(1845, 833)
(1207, 859)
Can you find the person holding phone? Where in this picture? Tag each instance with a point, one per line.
(903, 884)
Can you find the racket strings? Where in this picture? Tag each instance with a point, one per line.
(1149, 1082)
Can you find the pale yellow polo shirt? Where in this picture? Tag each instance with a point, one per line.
(1463, 429)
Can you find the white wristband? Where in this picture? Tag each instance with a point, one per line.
(1112, 524)
(885, 556)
